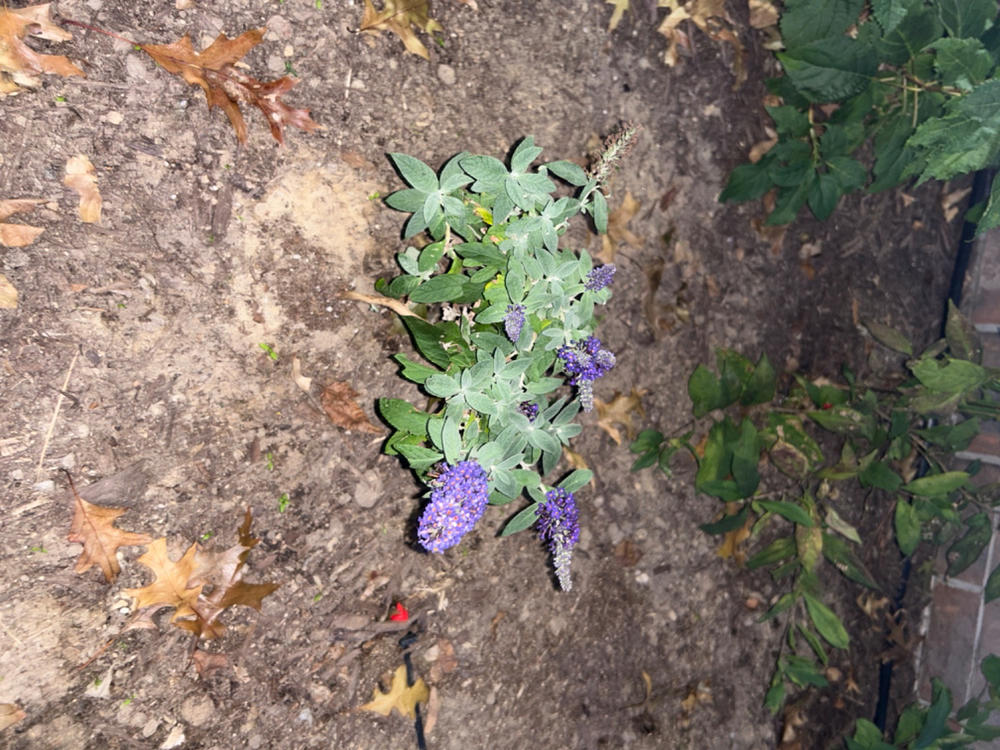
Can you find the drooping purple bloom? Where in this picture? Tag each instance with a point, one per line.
(559, 527)
(585, 361)
(458, 501)
(513, 320)
(528, 409)
(599, 277)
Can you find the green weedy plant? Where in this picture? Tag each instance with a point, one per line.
(512, 325)
(915, 79)
(883, 436)
(933, 726)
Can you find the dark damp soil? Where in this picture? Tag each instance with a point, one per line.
(134, 361)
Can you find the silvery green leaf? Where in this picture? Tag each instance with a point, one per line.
(547, 260)
(415, 172)
(549, 460)
(525, 153)
(454, 181)
(432, 207)
(600, 212)
(514, 280)
(518, 195)
(435, 428)
(490, 341)
(453, 206)
(505, 483)
(408, 261)
(503, 207)
(536, 184)
(533, 268)
(515, 368)
(489, 175)
(488, 454)
(567, 432)
(442, 385)
(545, 385)
(410, 200)
(480, 402)
(491, 314)
(568, 171)
(536, 492)
(451, 441)
(479, 374)
(576, 480)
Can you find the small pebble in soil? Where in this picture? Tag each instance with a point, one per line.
(446, 74)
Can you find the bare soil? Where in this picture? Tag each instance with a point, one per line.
(133, 360)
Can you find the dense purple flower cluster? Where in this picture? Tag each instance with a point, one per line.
(528, 409)
(458, 501)
(599, 277)
(513, 320)
(586, 361)
(559, 526)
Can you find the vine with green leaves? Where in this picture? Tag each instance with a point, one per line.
(760, 454)
(913, 82)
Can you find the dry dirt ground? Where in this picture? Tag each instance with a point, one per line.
(134, 361)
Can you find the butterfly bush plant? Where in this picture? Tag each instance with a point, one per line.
(504, 322)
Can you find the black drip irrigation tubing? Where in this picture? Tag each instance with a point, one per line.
(980, 191)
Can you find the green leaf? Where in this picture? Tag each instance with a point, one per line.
(935, 725)
(826, 622)
(415, 172)
(918, 29)
(443, 288)
(790, 200)
(410, 200)
(789, 121)
(442, 386)
(416, 372)
(419, 457)
(889, 13)
(955, 376)
(778, 550)
(823, 195)
(746, 456)
(489, 173)
(790, 511)
(746, 182)
(576, 480)
(804, 672)
(963, 341)
(427, 339)
(889, 337)
(647, 440)
(523, 520)
(849, 173)
(966, 18)
(727, 523)
(990, 667)
(967, 550)
(878, 474)
(600, 212)
(846, 560)
(962, 63)
(907, 525)
(806, 22)
(759, 388)
(937, 484)
(568, 171)
(775, 697)
(403, 416)
(525, 153)
(705, 392)
(831, 69)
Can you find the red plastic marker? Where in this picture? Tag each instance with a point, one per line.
(400, 615)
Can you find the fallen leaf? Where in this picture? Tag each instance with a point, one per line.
(225, 86)
(618, 232)
(10, 714)
(339, 403)
(402, 697)
(395, 305)
(8, 294)
(732, 542)
(619, 411)
(711, 17)
(763, 14)
(81, 178)
(951, 203)
(775, 235)
(433, 710)
(93, 527)
(201, 585)
(620, 7)
(207, 663)
(19, 64)
(398, 16)
(627, 553)
(18, 235)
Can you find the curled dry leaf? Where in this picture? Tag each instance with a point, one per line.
(399, 16)
(18, 235)
(616, 16)
(375, 299)
(618, 232)
(81, 178)
(339, 402)
(93, 527)
(19, 64)
(619, 411)
(225, 86)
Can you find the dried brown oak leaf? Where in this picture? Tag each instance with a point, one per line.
(619, 411)
(712, 18)
(226, 86)
(399, 16)
(80, 177)
(339, 402)
(402, 697)
(618, 232)
(93, 527)
(19, 64)
(200, 586)
(18, 235)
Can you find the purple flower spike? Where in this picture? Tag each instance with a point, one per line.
(513, 320)
(528, 409)
(559, 526)
(585, 361)
(599, 277)
(458, 501)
